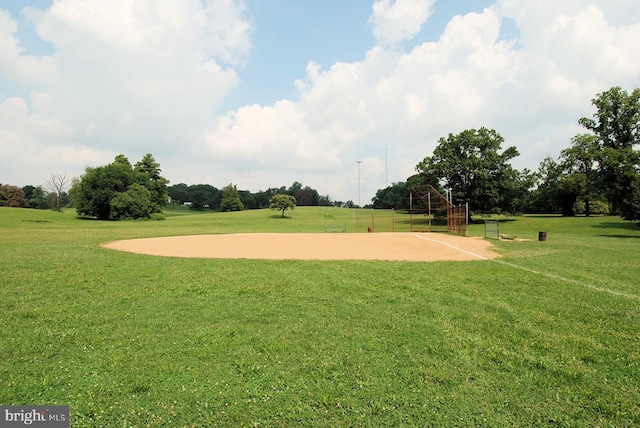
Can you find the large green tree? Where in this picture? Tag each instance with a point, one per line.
(631, 202)
(282, 203)
(616, 125)
(94, 193)
(390, 197)
(13, 196)
(559, 188)
(98, 186)
(579, 166)
(305, 196)
(545, 198)
(39, 199)
(179, 193)
(136, 202)
(148, 171)
(231, 199)
(472, 166)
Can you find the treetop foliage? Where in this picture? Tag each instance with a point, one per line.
(601, 167)
(205, 196)
(120, 191)
(472, 166)
(282, 203)
(13, 196)
(616, 122)
(231, 199)
(598, 173)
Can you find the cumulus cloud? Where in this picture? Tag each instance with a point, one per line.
(395, 21)
(14, 65)
(129, 73)
(532, 90)
(142, 70)
(137, 76)
(125, 76)
(29, 140)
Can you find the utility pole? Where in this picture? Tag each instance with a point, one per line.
(359, 162)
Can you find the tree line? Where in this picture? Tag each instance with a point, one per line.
(599, 173)
(208, 197)
(121, 191)
(51, 196)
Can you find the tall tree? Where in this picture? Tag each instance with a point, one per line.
(57, 184)
(98, 186)
(28, 191)
(12, 196)
(248, 199)
(390, 197)
(631, 203)
(39, 199)
(548, 196)
(296, 186)
(204, 196)
(94, 193)
(307, 196)
(471, 165)
(231, 199)
(579, 163)
(282, 203)
(149, 172)
(179, 193)
(616, 124)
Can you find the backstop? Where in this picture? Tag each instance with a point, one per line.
(424, 210)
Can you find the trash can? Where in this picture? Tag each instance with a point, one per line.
(542, 236)
(369, 229)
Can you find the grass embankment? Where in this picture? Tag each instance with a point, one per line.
(546, 335)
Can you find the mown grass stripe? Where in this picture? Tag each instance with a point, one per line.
(569, 280)
(451, 246)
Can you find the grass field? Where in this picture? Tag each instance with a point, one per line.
(547, 335)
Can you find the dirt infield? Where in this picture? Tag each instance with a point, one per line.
(314, 246)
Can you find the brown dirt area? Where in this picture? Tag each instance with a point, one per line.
(314, 246)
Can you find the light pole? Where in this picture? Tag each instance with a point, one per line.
(359, 162)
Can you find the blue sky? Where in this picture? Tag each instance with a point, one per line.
(289, 33)
(262, 93)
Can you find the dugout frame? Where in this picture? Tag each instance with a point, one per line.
(422, 209)
(429, 207)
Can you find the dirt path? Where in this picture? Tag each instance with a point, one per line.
(314, 246)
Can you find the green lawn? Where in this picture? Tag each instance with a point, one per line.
(547, 335)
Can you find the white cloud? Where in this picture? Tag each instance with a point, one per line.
(14, 65)
(133, 77)
(135, 71)
(126, 76)
(157, 64)
(395, 21)
(39, 145)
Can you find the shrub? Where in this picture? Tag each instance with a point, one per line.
(157, 217)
